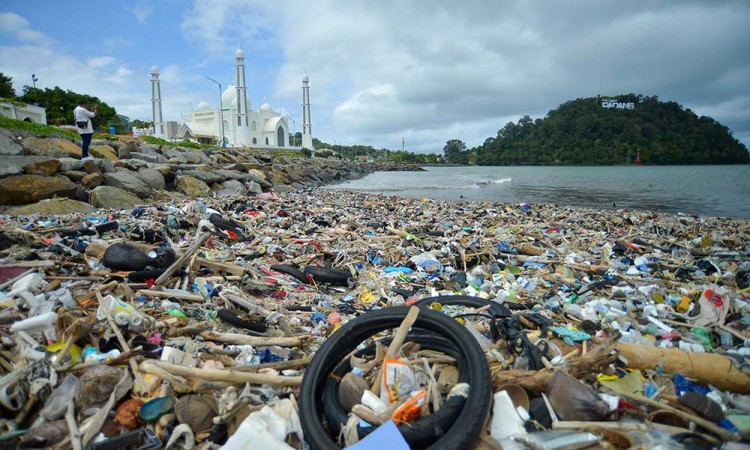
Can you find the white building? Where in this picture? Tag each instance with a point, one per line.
(242, 126)
(29, 113)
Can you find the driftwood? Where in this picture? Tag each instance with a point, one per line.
(705, 368)
(291, 364)
(255, 341)
(253, 307)
(182, 259)
(227, 375)
(398, 340)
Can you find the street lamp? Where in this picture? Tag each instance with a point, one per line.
(221, 112)
(34, 79)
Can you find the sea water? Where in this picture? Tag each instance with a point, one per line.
(694, 190)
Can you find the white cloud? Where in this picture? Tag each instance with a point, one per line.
(142, 11)
(101, 61)
(19, 28)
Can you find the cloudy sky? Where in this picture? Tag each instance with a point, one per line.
(427, 71)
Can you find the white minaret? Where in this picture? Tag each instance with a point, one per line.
(243, 107)
(156, 103)
(307, 141)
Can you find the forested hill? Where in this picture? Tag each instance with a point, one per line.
(609, 131)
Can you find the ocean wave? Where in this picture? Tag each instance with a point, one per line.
(495, 181)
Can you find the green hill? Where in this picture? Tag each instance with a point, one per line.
(609, 131)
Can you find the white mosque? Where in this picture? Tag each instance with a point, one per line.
(233, 117)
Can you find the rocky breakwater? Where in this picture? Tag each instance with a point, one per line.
(46, 175)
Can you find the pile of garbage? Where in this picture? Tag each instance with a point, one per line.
(313, 319)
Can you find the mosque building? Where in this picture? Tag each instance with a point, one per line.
(241, 127)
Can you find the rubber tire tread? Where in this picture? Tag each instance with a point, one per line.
(328, 275)
(496, 309)
(291, 270)
(336, 414)
(466, 429)
(231, 318)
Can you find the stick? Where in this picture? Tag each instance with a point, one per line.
(710, 426)
(255, 341)
(167, 294)
(139, 380)
(627, 426)
(292, 364)
(252, 306)
(75, 434)
(227, 375)
(116, 361)
(368, 415)
(203, 237)
(396, 343)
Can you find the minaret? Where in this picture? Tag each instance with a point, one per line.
(156, 103)
(307, 141)
(242, 121)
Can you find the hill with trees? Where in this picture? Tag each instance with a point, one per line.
(608, 131)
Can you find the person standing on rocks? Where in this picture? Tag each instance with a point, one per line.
(82, 117)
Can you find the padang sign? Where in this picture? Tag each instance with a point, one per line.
(612, 103)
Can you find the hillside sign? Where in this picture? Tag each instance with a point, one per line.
(612, 103)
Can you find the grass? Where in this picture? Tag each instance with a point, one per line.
(38, 129)
(164, 142)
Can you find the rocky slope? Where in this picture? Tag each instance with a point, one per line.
(46, 175)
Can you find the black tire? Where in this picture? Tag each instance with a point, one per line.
(466, 429)
(328, 275)
(417, 434)
(231, 318)
(496, 309)
(291, 270)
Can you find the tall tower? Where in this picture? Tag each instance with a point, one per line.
(242, 121)
(156, 103)
(307, 141)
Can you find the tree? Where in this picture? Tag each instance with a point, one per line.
(60, 104)
(138, 123)
(6, 87)
(455, 152)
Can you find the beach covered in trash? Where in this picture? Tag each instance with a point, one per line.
(319, 319)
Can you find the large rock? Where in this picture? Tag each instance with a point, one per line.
(127, 181)
(23, 189)
(282, 188)
(8, 145)
(108, 197)
(149, 157)
(125, 150)
(13, 165)
(192, 187)
(54, 206)
(103, 151)
(205, 176)
(51, 147)
(254, 188)
(74, 175)
(152, 177)
(231, 188)
(47, 168)
(92, 180)
(174, 154)
(131, 164)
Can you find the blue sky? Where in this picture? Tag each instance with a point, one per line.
(379, 71)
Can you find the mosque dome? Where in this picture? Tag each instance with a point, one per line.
(239, 53)
(229, 94)
(305, 78)
(202, 106)
(154, 70)
(266, 107)
(233, 103)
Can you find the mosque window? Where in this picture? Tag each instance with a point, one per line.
(255, 127)
(266, 141)
(239, 121)
(280, 137)
(255, 141)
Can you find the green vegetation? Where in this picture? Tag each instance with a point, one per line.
(60, 104)
(583, 132)
(166, 143)
(6, 86)
(37, 129)
(370, 153)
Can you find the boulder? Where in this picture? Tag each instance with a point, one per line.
(192, 187)
(51, 147)
(74, 175)
(92, 180)
(108, 197)
(54, 206)
(152, 177)
(125, 150)
(254, 188)
(127, 181)
(164, 169)
(8, 145)
(281, 188)
(205, 176)
(103, 151)
(23, 189)
(231, 188)
(48, 168)
(174, 154)
(131, 164)
(149, 157)
(13, 165)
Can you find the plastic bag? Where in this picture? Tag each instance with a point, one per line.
(123, 256)
(398, 381)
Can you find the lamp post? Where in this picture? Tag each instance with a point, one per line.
(34, 79)
(221, 112)
(294, 132)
